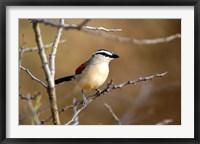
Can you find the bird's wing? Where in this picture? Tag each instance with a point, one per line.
(80, 69)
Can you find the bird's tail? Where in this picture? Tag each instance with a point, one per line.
(68, 78)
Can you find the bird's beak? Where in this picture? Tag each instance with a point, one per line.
(115, 56)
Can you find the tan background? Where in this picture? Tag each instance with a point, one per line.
(144, 103)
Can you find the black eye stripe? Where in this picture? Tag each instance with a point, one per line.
(103, 53)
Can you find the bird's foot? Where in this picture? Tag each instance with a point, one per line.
(98, 92)
(84, 100)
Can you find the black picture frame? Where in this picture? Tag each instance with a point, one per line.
(5, 3)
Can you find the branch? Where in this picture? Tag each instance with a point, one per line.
(51, 86)
(134, 40)
(100, 31)
(112, 113)
(54, 49)
(33, 77)
(110, 86)
(74, 26)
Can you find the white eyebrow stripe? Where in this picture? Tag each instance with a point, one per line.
(103, 51)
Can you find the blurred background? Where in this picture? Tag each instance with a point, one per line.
(146, 103)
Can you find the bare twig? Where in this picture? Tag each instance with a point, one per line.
(83, 23)
(112, 113)
(54, 49)
(33, 77)
(110, 86)
(75, 26)
(55, 24)
(21, 52)
(100, 31)
(26, 49)
(140, 79)
(34, 111)
(51, 86)
(60, 112)
(76, 122)
(30, 97)
(134, 40)
(78, 111)
(130, 116)
(165, 122)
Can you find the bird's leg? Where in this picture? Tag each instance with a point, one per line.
(84, 98)
(98, 92)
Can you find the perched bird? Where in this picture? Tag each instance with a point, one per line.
(92, 73)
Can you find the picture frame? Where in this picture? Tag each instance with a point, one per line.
(3, 83)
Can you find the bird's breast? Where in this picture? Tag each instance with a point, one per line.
(93, 77)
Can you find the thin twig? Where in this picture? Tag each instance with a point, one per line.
(21, 52)
(100, 31)
(75, 26)
(51, 86)
(134, 40)
(30, 97)
(33, 77)
(110, 86)
(130, 115)
(83, 23)
(26, 49)
(78, 111)
(34, 111)
(165, 122)
(76, 122)
(139, 79)
(112, 113)
(60, 112)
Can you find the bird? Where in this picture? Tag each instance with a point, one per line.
(91, 74)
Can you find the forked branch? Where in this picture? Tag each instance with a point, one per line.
(102, 32)
(51, 86)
